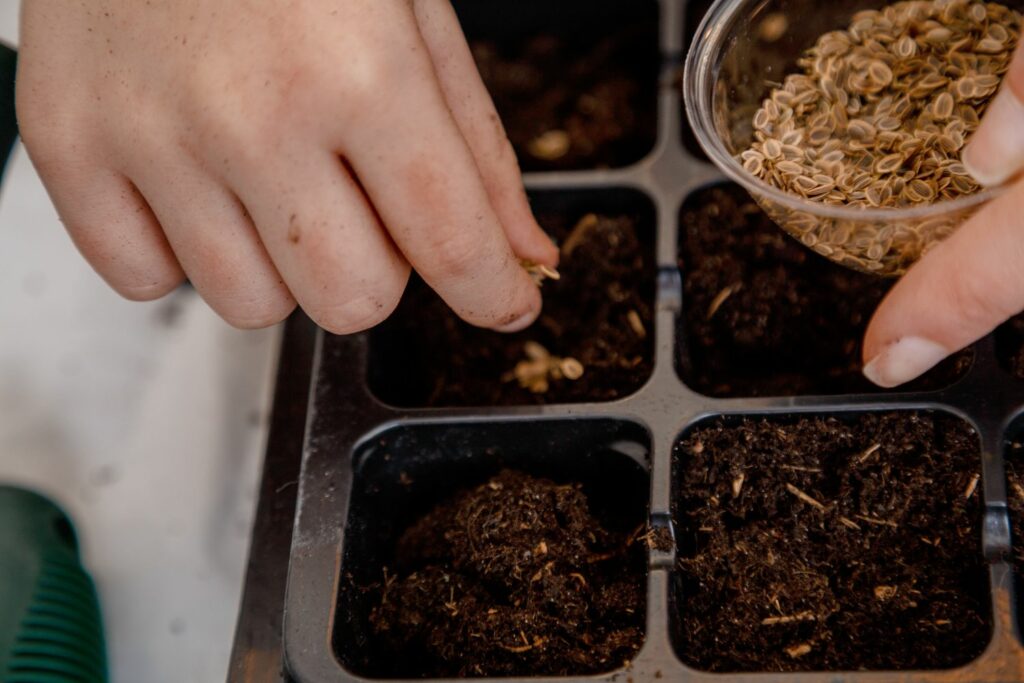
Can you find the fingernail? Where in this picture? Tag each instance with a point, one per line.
(996, 152)
(902, 361)
(520, 323)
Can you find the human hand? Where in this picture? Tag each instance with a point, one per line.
(272, 152)
(974, 280)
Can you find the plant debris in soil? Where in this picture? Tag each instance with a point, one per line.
(765, 316)
(592, 342)
(831, 544)
(567, 105)
(512, 578)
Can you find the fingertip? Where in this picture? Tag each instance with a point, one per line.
(358, 312)
(147, 291)
(903, 361)
(517, 322)
(972, 159)
(256, 317)
(996, 151)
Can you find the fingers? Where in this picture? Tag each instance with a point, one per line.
(958, 293)
(217, 245)
(996, 151)
(477, 120)
(420, 174)
(322, 236)
(114, 229)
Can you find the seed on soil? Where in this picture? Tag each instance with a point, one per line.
(541, 368)
(972, 486)
(550, 146)
(570, 368)
(721, 298)
(897, 94)
(797, 651)
(737, 486)
(636, 324)
(885, 592)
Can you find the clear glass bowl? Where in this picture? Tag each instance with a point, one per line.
(741, 46)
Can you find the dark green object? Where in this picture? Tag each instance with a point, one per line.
(50, 626)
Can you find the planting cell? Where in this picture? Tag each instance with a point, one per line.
(599, 314)
(575, 82)
(764, 316)
(830, 543)
(490, 549)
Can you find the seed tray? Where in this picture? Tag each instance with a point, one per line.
(369, 467)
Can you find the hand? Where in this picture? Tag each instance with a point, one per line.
(279, 152)
(973, 281)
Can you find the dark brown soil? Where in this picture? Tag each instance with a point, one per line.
(1015, 493)
(601, 93)
(1010, 339)
(426, 356)
(1015, 501)
(883, 569)
(794, 321)
(512, 578)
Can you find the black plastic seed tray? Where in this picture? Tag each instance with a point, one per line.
(370, 467)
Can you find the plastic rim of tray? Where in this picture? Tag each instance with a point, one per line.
(345, 416)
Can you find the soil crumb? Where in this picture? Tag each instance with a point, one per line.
(764, 316)
(831, 544)
(512, 578)
(599, 313)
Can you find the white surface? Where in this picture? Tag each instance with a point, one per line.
(146, 422)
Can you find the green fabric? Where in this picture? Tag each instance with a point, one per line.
(50, 625)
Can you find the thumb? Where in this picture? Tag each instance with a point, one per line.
(996, 151)
(959, 292)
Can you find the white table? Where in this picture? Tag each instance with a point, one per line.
(146, 421)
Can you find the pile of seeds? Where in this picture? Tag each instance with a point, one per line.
(880, 112)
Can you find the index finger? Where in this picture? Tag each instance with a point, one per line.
(421, 176)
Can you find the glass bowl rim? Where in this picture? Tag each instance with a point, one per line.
(698, 70)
